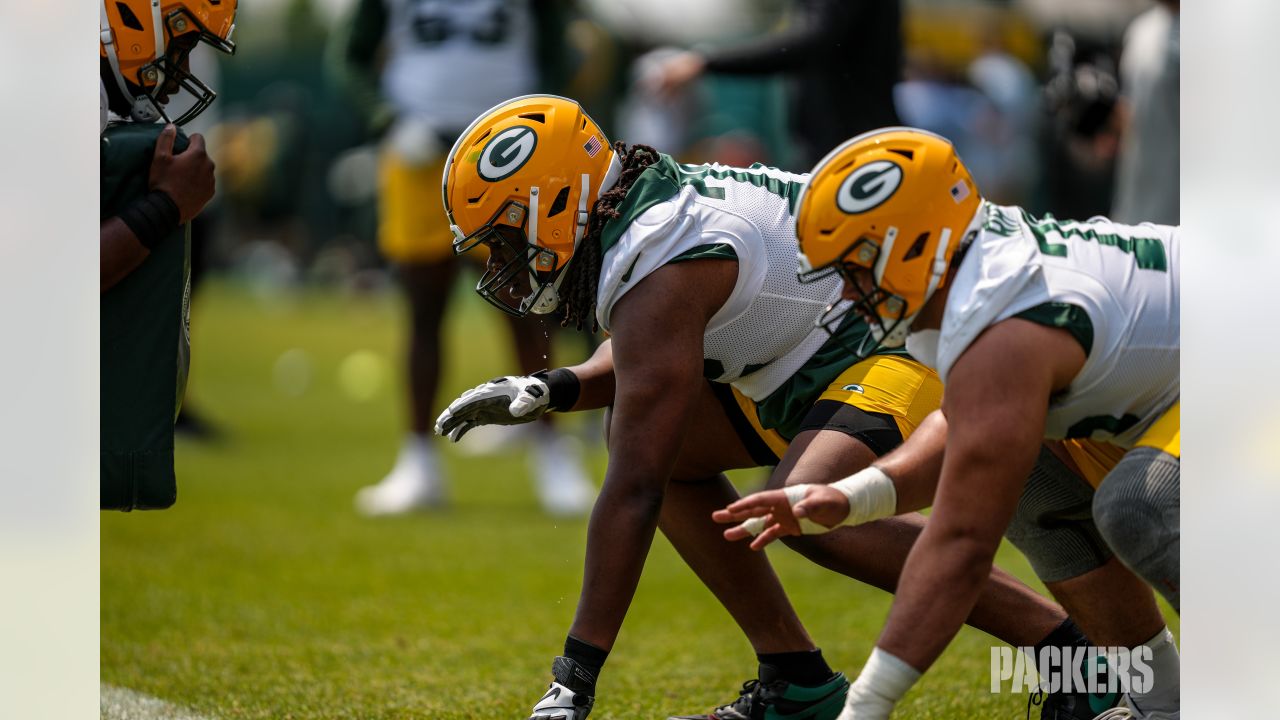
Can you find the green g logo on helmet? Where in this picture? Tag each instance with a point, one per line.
(869, 186)
(506, 153)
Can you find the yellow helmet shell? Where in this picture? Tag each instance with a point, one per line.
(540, 154)
(137, 39)
(896, 201)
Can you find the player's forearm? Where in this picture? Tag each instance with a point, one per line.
(940, 584)
(916, 465)
(596, 379)
(120, 252)
(977, 492)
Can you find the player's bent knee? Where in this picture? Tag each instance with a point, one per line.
(1137, 511)
(1051, 525)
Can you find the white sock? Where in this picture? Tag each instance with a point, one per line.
(1165, 694)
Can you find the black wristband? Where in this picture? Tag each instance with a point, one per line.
(564, 387)
(151, 217)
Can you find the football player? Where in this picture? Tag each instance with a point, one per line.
(154, 180)
(426, 69)
(714, 363)
(143, 49)
(1041, 329)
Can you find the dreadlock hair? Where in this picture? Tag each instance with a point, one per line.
(579, 289)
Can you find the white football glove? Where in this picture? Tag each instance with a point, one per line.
(509, 400)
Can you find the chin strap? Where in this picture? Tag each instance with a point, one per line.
(140, 108)
(939, 264)
(940, 260)
(546, 299)
(158, 28)
(549, 298)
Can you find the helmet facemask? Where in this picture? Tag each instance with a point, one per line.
(493, 188)
(173, 68)
(884, 313)
(520, 276)
(151, 87)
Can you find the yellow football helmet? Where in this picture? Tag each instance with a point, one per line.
(521, 180)
(887, 211)
(144, 45)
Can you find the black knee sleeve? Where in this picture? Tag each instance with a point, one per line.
(1052, 525)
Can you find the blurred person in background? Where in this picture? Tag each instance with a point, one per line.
(1081, 139)
(845, 57)
(1147, 166)
(1014, 93)
(154, 181)
(422, 70)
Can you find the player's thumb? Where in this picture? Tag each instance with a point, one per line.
(521, 405)
(164, 143)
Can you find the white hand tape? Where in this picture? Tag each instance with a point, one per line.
(871, 495)
(754, 525)
(796, 493)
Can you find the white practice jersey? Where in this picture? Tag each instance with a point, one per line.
(1114, 287)
(766, 330)
(450, 60)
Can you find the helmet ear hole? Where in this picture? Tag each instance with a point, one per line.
(917, 247)
(558, 205)
(127, 17)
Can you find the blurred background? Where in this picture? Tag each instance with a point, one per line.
(271, 589)
(1029, 90)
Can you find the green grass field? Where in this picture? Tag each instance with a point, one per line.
(261, 594)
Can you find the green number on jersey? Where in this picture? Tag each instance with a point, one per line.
(694, 175)
(1147, 251)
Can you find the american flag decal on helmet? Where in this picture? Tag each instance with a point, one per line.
(593, 146)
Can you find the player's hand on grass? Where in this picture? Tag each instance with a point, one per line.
(793, 510)
(187, 177)
(509, 400)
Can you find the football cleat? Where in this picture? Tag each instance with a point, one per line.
(1137, 713)
(1077, 706)
(567, 697)
(769, 697)
(1117, 713)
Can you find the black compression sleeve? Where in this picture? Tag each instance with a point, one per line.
(564, 387)
(151, 217)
